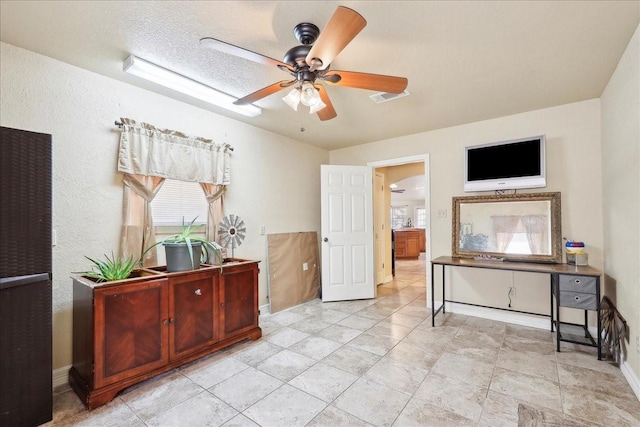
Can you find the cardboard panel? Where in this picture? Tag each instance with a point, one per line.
(290, 283)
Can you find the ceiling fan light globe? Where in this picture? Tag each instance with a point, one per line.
(309, 95)
(317, 107)
(292, 99)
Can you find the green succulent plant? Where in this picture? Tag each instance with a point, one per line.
(110, 269)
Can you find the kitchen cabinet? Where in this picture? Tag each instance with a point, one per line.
(409, 242)
(131, 330)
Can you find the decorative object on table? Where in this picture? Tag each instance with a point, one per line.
(575, 253)
(186, 250)
(232, 232)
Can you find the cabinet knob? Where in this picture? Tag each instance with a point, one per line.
(198, 292)
(165, 322)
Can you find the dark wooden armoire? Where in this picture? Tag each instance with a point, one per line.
(25, 278)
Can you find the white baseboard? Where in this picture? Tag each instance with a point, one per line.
(522, 319)
(61, 377)
(631, 377)
(265, 309)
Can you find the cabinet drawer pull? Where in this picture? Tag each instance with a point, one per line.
(198, 292)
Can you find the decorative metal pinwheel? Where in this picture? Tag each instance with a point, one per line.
(232, 232)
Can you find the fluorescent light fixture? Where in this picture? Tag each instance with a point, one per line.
(162, 76)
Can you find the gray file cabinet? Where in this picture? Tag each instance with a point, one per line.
(581, 292)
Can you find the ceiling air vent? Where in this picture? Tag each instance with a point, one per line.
(386, 96)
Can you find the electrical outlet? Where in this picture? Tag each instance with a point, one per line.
(512, 292)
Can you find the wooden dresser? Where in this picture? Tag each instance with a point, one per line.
(128, 331)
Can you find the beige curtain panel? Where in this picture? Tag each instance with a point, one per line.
(137, 222)
(146, 150)
(214, 194)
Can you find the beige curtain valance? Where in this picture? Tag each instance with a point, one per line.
(149, 151)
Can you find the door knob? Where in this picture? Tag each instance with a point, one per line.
(325, 240)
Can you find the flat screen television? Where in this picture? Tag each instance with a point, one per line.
(506, 165)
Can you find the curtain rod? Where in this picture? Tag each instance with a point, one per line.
(120, 124)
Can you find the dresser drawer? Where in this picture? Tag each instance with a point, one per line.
(578, 300)
(581, 284)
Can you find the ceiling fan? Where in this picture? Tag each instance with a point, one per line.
(309, 63)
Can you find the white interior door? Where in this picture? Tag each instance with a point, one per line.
(347, 233)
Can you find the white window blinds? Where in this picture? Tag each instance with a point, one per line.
(177, 200)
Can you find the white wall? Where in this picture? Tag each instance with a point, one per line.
(573, 168)
(621, 183)
(79, 109)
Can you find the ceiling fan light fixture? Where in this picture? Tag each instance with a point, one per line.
(317, 107)
(292, 99)
(169, 79)
(308, 94)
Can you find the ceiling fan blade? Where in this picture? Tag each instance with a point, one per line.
(343, 26)
(240, 52)
(265, 91)
(328, 112)
(378, 82)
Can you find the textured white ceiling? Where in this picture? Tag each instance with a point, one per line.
(465, 61)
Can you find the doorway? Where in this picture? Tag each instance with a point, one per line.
(394, 171)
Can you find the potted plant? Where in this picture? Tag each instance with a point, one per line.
(186, 250)
(113, 268)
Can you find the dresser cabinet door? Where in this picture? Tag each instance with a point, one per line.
(239, 299)
(131, 333)
(193, 324)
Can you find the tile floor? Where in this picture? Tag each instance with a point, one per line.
(375, 363)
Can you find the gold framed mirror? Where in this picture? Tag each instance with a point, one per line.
(513, 227)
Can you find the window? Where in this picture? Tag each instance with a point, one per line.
(519, 244)
(398, 215)
(421, 217)
(177, 200)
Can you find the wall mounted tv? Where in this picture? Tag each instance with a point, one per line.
(506, 165)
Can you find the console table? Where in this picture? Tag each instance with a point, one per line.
(572, 286)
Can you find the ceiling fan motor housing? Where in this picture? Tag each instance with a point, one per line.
(306, 33)
(296, 56)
